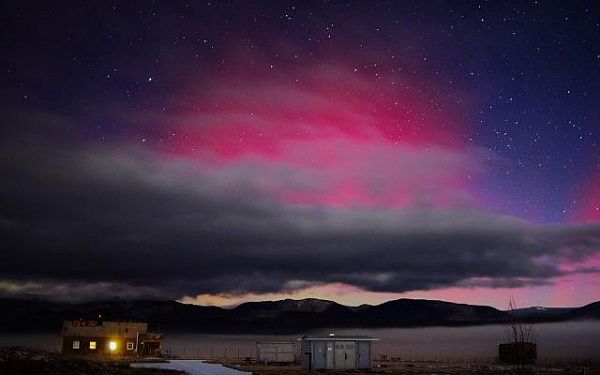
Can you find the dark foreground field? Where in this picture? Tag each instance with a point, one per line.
(25, 361)
(428, 368)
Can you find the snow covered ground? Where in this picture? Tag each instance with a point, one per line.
(192, 367)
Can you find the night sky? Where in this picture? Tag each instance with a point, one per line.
(223, 151)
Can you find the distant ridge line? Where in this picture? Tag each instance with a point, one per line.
(279, 316)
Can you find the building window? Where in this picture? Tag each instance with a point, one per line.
(92, 344)
(76, 344)
(129, 346)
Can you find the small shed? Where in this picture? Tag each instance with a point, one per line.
(336, 352)
(517, 352)
(276, 351)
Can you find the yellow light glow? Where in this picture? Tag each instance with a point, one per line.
(112, 345)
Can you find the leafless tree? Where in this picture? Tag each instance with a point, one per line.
(518, 330)
(520, 334)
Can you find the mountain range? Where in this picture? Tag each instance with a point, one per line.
(284, 316)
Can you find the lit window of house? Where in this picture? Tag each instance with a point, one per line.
(92, 344)
(75, 344)
(129, 346)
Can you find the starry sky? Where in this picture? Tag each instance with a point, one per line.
(216, 152)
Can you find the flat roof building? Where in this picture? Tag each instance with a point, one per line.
(336, 352)
(276, 351)
(91, 337)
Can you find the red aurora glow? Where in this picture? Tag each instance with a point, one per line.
(347, 141)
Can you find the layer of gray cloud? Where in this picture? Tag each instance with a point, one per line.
(78, 223)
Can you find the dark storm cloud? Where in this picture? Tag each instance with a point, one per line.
(80, 222)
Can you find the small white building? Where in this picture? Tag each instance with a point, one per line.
(276, 351)
(336, 352)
